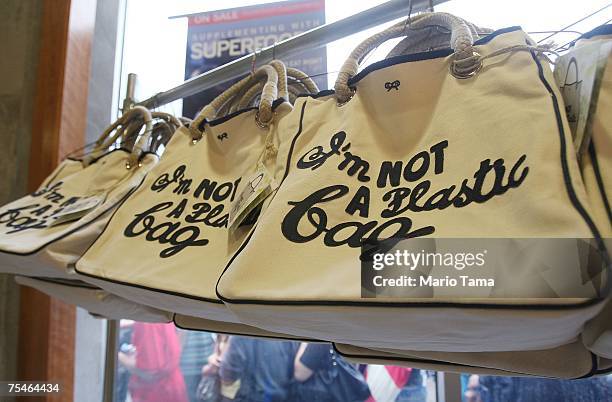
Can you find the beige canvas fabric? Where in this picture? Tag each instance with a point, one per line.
(299, 272)
(95, 300)
(31, 245)
(596, 164)
(596, 168)
(605, 365)
(597, 334)
(568, 361)
(65, 168)
(231, 328)
(172, 232)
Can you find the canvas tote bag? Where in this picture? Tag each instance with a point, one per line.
(248, 96)
(568, 361)
(172, 233)
(291, 83)
(596, 165)
(95, 300)
(444, 122)
(45, 232)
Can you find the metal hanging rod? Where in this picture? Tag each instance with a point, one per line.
(314, 38)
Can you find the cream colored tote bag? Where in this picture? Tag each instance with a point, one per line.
(462, 143)
(230, 328)
(44, 233)
(172, 234)
(567, 362)
(95, 300)
(596, 162)
(596, 168)
(299, 83)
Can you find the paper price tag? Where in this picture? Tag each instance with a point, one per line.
(257, 188)
(78, 209)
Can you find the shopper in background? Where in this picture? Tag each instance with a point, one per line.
(197, 347)
(321, 375)
(122, 376)
(254, 370)
(209, 388)
(154, 364)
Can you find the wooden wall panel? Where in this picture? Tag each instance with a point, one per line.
(47, 326)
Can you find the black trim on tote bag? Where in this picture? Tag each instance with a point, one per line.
(592, 371)
(567, 181)
(211, 123)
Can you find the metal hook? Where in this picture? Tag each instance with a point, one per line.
(274, 50)
(253, 61)
(407, 22)
(574, 23)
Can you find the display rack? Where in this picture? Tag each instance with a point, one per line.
(314, 38)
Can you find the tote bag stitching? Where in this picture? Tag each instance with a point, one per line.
(155, 290)
(176, 324)
(599, 31)
(563, 149)
(567, 181)
(66, 283)
(216, 122)
(591, 372)
(599, 179)
(604, 371)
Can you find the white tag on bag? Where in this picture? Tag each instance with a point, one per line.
(78, 209)
(257, 188)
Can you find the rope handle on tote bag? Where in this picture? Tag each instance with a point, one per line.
(465, 60)
(302, 79)
(300, 83)
(247, 96)
(128, 133)
(168, 118)
(264, 114)
(149, 142)
(119, 128)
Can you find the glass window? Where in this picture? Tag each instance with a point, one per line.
(158, 362)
